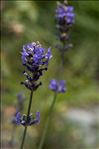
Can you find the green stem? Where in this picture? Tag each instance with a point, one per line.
(62, 60)
(28, 113)
(47, 122)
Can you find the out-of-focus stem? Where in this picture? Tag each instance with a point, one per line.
(43, 137)
(62, 60)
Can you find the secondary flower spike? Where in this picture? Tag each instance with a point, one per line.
(57, 86)
(19, 106)
(65, 18)
(23, 120)
(35, 58)
(65, 13)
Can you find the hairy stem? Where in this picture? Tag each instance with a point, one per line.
(28, 113)
(43, 137)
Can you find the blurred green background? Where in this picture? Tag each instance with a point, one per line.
(26, 21)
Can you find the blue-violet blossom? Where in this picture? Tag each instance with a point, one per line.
(65, 13)
(64, 20)
(23, 120)
(35, 58)
(57, 86)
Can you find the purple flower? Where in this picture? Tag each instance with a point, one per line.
(34, 54)
(65, 18)
(20, 97)
(35, 59)
(18, 118)
(24, 55)
(65, 13)
(57, 86)
(36, 120)
(23, 120)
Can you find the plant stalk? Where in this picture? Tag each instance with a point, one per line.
(62, 60)
(28, 113)
(47, 122)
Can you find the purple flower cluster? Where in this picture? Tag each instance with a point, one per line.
(19, 106)
(57, 86)
(36, 60)
(64, 19)
(65, 13)
(23, 120)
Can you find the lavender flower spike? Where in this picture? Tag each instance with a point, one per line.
(57, 86)
(35, 59)
(34, 54)
(23, 120)
(19, 106)
(65, 13)
(65, 18)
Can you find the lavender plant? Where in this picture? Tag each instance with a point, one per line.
(57, 87)
(64, 20)
(18, 108)
(35, 59)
